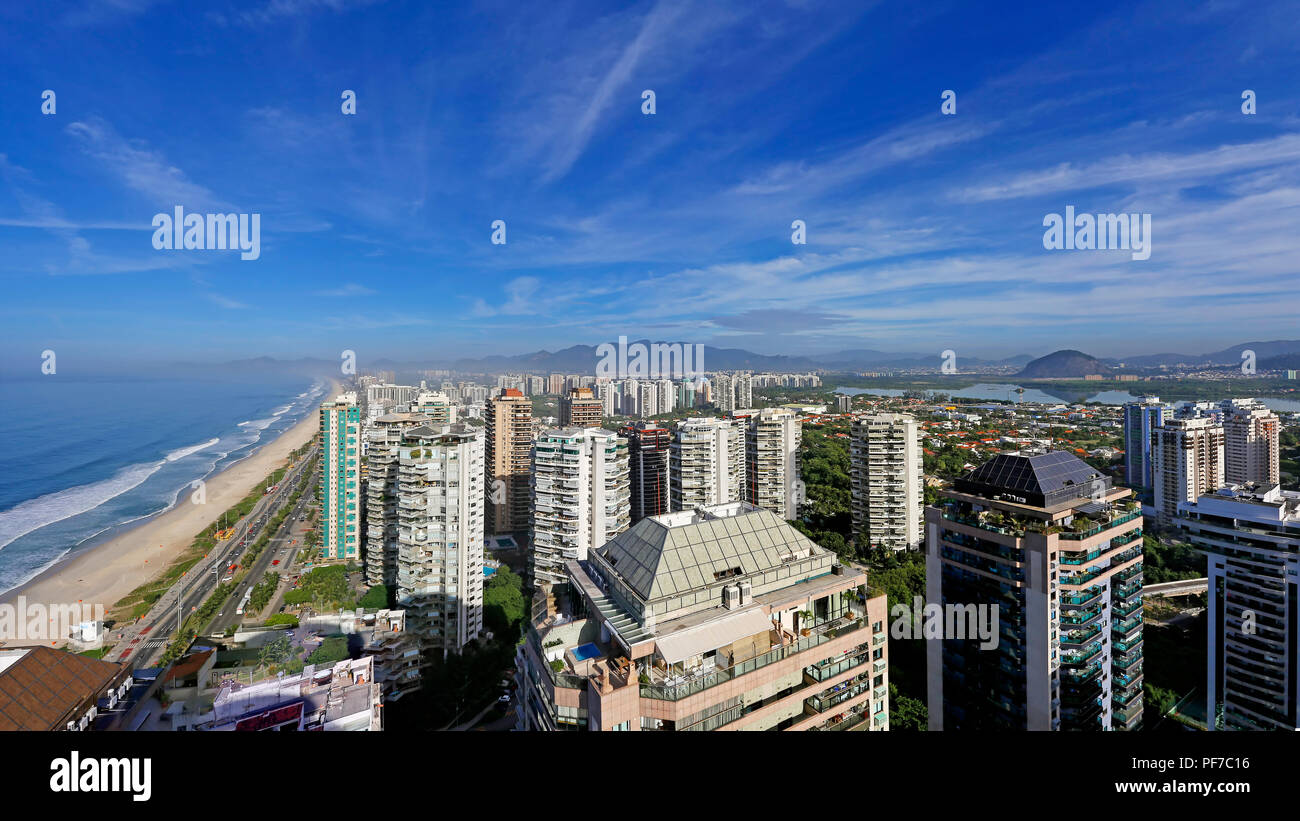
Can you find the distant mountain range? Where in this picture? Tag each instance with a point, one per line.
(1228, 356)
(1061, 364)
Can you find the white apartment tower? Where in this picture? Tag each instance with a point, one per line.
(1251, 538)
(440, 520)
(384, 439)
(772, 462)
(706, 463)
(885, 473)
(1186, 463)
(724, 392)
(581, 496)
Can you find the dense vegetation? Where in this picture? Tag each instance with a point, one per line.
(826, 515)
(324, 588)
(1166, 560)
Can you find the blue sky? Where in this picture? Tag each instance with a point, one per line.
(924, 230)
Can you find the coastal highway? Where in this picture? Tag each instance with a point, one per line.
(278, 548)
(143, 641)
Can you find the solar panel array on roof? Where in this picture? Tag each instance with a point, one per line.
(1043, 473)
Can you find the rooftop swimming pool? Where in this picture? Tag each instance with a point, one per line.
(586, 651)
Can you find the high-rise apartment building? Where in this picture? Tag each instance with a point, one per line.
(580, 408)
(1187, 462)
(667, 395)
(706, 463)
(383, 439)
(647, 399)
(1047, 546)
(1251, 444)
(581, 496)
(772, 462)
(647, 451)
(508, 441)
(719, 618)
(555, 384)
(1141, 419)
(1251, 537)
(724, 392)
(436, 405)
(888, 496)
(440, 519)
(340, 519)
(744, 390)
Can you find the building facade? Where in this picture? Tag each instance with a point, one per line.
(886, 481)
(772, 462)
(1187, 462)
(383, 441)
(1251, 444)
(508, 445)
(581, 496)
(647, 451)
(1049, 546)
(581, 408)
(706, 463)
(1251, 538)
(440, 522)
(1140, 422)
(340, 520)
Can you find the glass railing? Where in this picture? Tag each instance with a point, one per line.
(1117, 521)
(719, 675)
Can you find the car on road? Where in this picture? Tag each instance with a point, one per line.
(505, 699)
(275, 562)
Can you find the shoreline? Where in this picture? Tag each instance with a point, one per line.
(107, 572)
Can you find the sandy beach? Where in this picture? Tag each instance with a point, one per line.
(105, 573)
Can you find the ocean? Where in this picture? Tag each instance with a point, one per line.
(82, 459)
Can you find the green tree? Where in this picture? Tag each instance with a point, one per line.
(504, 605)
(376, 598)
(906, 714)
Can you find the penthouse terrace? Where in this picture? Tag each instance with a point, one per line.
(722, 617)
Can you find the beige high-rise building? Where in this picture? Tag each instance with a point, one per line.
(772, 461)
(508, 452)
(581, 496)
(706, 463)
(1251, 444)
(581, 409)
(885, 472)
(1186, 463)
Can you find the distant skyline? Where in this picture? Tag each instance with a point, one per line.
(924, 231)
